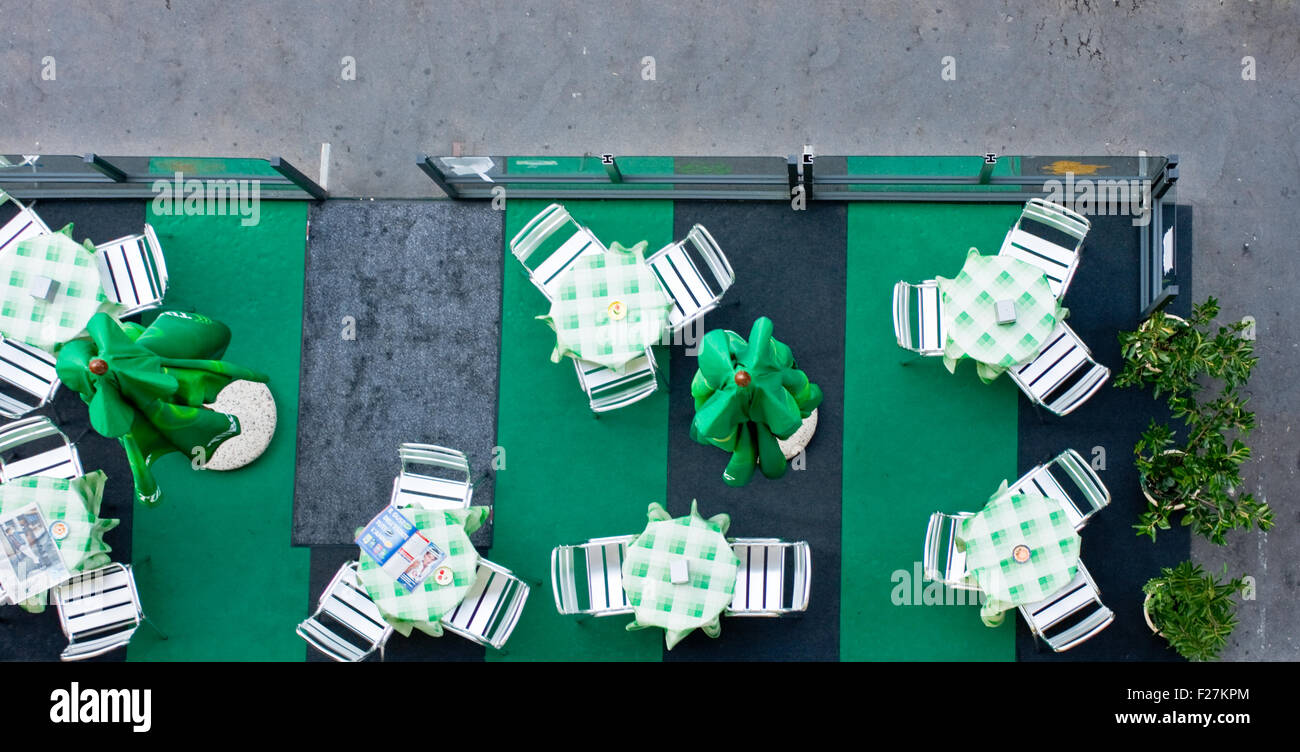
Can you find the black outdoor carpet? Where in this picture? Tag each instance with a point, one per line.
(422, 281)
(1103, 300)
(37, 637)
(791, 268)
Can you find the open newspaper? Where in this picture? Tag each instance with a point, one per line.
(30, 563)
(400, 549)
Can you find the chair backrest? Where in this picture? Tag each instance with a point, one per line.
(918, 317)
(53, 455)
(98, 610)
(1071, 615)
(490, 610)
(25, 371)
(25, 224)
(608, 390)
(602, 567)
(941, 541)
(1070, 480)
(549, 243)
(1058, 262)
(418, 486)
(346, 604)
(774, 578)
(693, 293)
(132, 271)
(1063, 375)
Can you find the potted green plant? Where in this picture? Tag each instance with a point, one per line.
(1197, 474)
(1192, 610)
(749, 396)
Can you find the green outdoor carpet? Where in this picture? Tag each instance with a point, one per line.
(916, 438)
(569, 477)
(213, 561)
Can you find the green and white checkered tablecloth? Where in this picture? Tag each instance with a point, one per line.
(424, 607)
(50, 324)
(75, 503)
(712, 565)
(609, 308)
(968, 307)
(991, 536)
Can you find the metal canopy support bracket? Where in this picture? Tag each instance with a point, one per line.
(426, 164)
(305, 183)
(103, 165)
(986, 169)
(611, 168)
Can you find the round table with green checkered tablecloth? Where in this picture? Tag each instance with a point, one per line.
(75, 504)
(711, 566)
(1048, 543)
(42, 323)
(424, 607)
(609, 308)
(969, 308)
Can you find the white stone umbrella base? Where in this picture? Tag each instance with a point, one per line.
(253, 404)
(792, 446)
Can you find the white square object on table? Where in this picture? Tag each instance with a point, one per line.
(43, 288)
(1006, 311)
(679, 573)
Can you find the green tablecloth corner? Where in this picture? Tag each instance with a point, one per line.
(1009, 520)
(76, 502)
(972, 329)
(580, 315)
(680, 609)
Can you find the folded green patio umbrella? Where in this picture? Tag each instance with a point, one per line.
(146, 386)
(748, 395)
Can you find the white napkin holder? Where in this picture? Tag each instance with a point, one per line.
(679, 573)
(1006, 311)
(43, 288)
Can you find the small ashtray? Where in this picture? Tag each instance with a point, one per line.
(1020, 553)
(1006, 311)
(679, 573)
(443, 575)
(43, 288)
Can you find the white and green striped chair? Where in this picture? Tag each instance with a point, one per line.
(25, 224)
(941, 539)
(1058, 262)
(549, 244)
(774, 578)
(99, 611)
(607, 390)
(1055, 480)
(347, 626)
(491, 608)
(26, 372)
(918, 317)
(602, 565)
(1071, 615)
(418, 486)
(1063, 375)
(692, 293)
(48, 450)
(132, 271)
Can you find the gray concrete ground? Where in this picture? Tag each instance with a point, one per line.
(1103, 77)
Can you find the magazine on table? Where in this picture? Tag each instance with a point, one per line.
(400, 549)
(30, 562)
